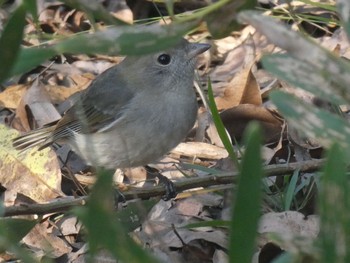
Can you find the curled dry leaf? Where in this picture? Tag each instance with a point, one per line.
(242, 89)
(33, 173)
(236, 120)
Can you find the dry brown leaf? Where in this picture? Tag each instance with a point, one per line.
(59, 94)
(236, 120)
(12, 95)
(242, 89)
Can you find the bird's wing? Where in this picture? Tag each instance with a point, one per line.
(96, 110)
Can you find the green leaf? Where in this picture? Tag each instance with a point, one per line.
(212, 223)
(10, 41)
(291, 191)
(222, 22)
(127, 40)
(220, 126)
(169, 4)
(29, 58)
(335, 207)
(135, 213)
(32, 8)
(307, 77)
(2, 209)
(122, 40)
(12, 230)
(329, 6)
(246, 210)
(343, 9)
(209, 170)
(95, 10)
(302, 48)
(312, 121)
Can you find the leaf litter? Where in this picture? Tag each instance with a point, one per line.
(240, 87)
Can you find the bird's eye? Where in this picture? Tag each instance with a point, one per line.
(164, 59)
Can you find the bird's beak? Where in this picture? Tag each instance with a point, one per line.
(196, 49)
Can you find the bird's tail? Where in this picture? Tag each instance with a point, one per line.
(41, 137)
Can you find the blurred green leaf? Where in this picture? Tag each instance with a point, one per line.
(95, 10)
(313, 122)
(12, 230)
(326, 5)
(134, 214)
(122, 40)
(170, 7)
(246, 208)
(32, 8)
(303, 49)
(10, 41)
(2, 208)
(127, 40)
(222, 22)
(103, 228)
(29, 58)
(335, 207)
(212, 223)
(191, 166)
(307, 77)
(343, 9)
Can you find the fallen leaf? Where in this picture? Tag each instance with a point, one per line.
(237, 119)
(33, 173)
(242, 89)
(36, 109)
(12, 95)
(41, 238)
(289, 224)
(200, 150)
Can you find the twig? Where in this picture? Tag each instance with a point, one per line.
(63, 204)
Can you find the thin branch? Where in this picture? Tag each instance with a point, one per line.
(63, 204)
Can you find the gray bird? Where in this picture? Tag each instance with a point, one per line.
(132, 114)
